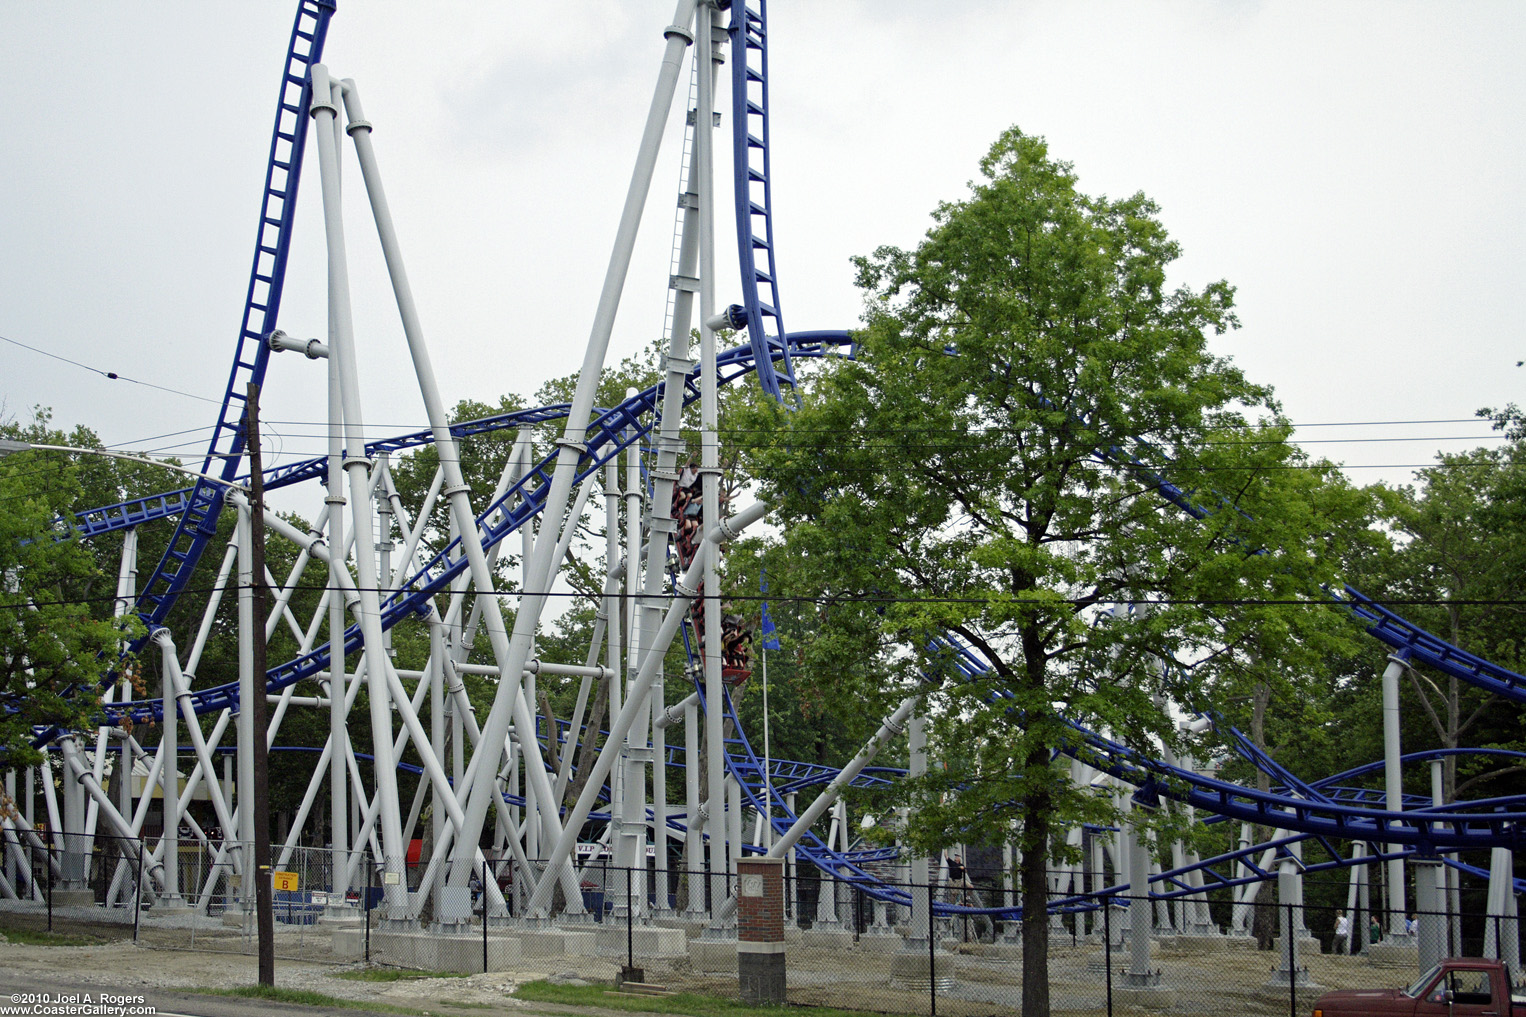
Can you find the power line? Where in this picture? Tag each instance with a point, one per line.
(113, 375)
(995, 599)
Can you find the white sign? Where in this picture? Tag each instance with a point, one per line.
(391, 878)
(752, 886)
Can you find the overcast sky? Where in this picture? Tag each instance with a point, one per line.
(1354, 169)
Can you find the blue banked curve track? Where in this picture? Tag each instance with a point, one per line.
(1480, 823)
(610, 434)
(619, 426)
(1408, 639)
(1321, 809)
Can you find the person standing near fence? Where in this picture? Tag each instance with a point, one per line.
(1342, 943)
(1374, 931)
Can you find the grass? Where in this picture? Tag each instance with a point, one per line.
(36, 937)
(394, 975)
(301, 997)
(689, 1003)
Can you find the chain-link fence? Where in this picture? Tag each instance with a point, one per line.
(929, 948)
(186, 894)
(942, 948)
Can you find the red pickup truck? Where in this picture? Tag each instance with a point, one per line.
(1462, 987)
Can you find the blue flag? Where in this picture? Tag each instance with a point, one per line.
(766, 625)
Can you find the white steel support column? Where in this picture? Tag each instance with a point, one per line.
(694, 844)
(614, 651)
(437, 730)
(660, 794)
(478, 791)
(892, 725)
(357, 471)
(127, 592)
(1140, 917)
(339, 807)
(175, 680)
(1500, 922)
(710, 462)
(637, 753)
(921, 903)
(660, 527)
(170, 837)
(1393, 783)
(728, 529)
(77, 775)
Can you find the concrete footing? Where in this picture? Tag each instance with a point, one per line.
(692, 928)
(1194, 944)
(912, 970)
(827, 939)
(431, 951)
(74, 898)
(644, 941)
(1012, 952)
(1144, 997)
(713, 956)
(1308, 946)
(885, 942)
(557, 943)
(1394, 953)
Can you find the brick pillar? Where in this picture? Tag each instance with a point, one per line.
(760, 929)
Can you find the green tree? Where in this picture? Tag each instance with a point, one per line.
(58, 641)
(971, 472)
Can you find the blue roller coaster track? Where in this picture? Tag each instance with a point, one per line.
(1324, 810)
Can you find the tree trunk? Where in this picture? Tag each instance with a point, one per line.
(1033, 875)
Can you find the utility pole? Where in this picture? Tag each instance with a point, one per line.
(264, 907)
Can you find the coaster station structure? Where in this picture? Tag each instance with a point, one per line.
(488, 780)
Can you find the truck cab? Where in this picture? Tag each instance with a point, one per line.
(1460, 987)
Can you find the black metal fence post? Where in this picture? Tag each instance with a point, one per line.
(369, 874)
(484, 915)
(137, 907)
(630, 920)
(1292, 935)
(1107, 949)
(47, 872)
(932, 956)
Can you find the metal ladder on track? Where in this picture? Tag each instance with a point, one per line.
(750, 154)
(198, 522)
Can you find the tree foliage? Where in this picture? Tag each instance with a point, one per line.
(990, 466)
(58, 641)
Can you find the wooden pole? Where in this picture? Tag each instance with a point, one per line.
(264, 907)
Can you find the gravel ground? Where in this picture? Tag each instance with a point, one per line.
(984, 985)
(122, 967)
